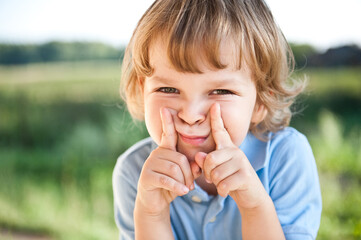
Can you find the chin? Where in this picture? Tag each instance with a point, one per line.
(190, 151)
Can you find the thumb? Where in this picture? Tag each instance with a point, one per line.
(200, 158)
(196, 170)
(197, 164)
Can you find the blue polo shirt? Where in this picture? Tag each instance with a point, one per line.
(285, 165)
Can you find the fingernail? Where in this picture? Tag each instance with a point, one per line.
(208, 181)
(192, 186)
(185, 189)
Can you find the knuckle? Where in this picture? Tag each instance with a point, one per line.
(244, 173)
(211, 159)
(223, 186)
(173, 169)
(182, 160)
(215, 176)
(163, 137)
(247, 174)
(164, 181)
(185, 165)
(155, 153)
(178, 187)
(169, 134)
(220, 130)
(152, 154)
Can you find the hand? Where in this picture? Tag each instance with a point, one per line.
(166, 173)
(228, 167)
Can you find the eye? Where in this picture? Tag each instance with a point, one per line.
(167, 90)
(221, 92)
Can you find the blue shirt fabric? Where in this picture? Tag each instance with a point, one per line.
(285, 165)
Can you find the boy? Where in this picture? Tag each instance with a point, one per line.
(209, 79)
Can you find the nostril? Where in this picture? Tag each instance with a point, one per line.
(191, 119)
(192, 112)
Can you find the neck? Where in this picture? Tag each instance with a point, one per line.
(210, 188)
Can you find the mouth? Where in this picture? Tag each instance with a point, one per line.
(193, 140)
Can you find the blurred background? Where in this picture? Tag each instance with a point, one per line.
(63, 125)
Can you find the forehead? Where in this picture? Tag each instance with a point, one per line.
(228, 55)
(164, 71)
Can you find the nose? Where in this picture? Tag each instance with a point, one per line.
(192, 113)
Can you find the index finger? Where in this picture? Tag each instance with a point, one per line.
(169, 135)
(220, 135)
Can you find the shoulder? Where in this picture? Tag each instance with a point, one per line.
(293, 183)
(289, 142)
(290, 148)
(278, 147)
(287, 136)
(131, 161)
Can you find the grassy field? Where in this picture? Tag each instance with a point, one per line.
(62, 126)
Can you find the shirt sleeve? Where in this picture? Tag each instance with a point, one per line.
(124, 198)
(125, 181)
(294, 187)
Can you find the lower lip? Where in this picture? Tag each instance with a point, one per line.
(193, 141)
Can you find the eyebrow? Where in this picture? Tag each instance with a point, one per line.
(162, 79)
(216, 82)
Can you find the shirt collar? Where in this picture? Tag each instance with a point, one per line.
(255, 150)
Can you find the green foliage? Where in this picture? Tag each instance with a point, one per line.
(336, 57)
(301, 52)
(57, 51)
(62, 126)
(337, 90)
(339, 164)
(13, 54)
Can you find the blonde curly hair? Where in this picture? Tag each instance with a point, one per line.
(188, 26)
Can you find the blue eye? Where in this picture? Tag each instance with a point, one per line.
(168, 90)
(221, 92)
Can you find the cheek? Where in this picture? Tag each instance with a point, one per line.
(236, 119)
(152, 119)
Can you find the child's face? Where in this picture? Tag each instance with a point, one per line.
(189, 97)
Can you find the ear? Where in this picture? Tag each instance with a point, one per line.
(140, 83)
(259, 113)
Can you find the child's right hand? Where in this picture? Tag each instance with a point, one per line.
(166, 173)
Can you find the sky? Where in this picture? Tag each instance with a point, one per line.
(321, 23)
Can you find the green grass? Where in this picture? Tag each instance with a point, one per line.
(62, 126)
(72, 81)
(324, 81)
(339, 163)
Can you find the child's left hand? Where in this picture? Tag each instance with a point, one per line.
(228, 167)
